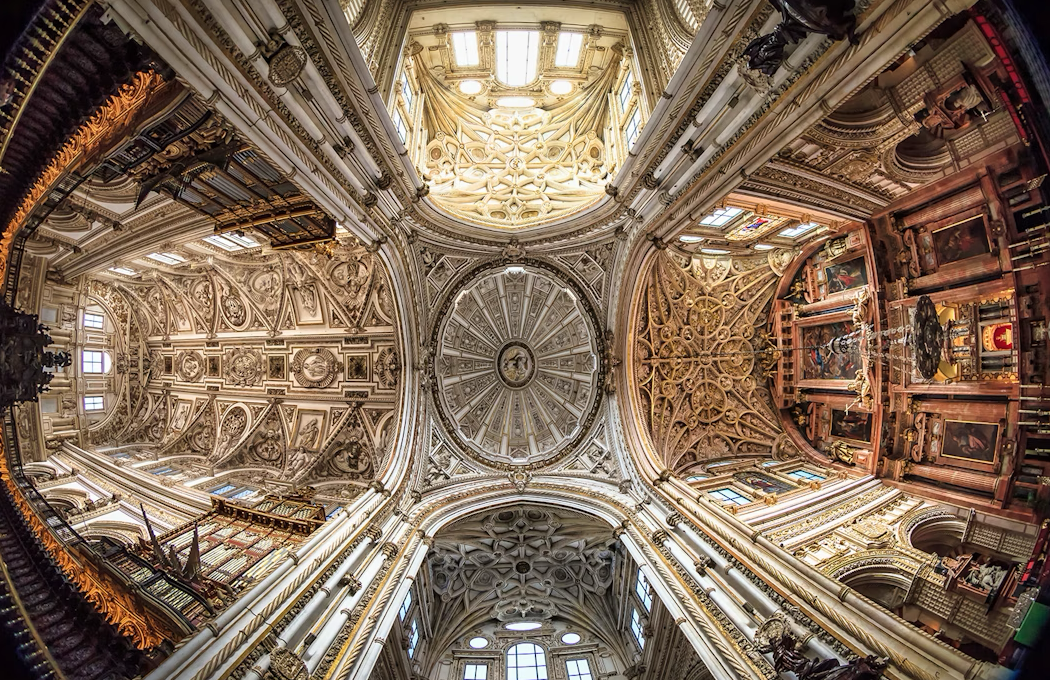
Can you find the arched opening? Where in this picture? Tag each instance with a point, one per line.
(526, 661)
(938, 534)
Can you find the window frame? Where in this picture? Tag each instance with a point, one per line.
(94, 358)
(637, 629)
(413, 637)
(804, 475)
(644, 590)
(475, 664)
(90, 318)
(632, 127)
(467, 43)
(626, 93)
(585, 674)
(726, 498)
(399, 126)
(95, 399)
(537, 651)
(406, 605)
(510, 53)
(573, 43)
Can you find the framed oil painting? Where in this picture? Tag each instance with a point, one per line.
(845, 275)
(854, 425)
(819, 362)
(969, 440)
(763, 483)
(961, 241)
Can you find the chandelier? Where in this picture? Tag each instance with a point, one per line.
(23, 362)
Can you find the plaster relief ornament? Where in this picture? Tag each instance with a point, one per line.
(243, 367)
(315, 368)
(518, 368)
(388, 367)
(190, 366)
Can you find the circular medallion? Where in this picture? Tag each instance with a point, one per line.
(515, 365)
(517, 369)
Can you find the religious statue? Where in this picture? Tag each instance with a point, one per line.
(841, 452)
(788, 657)
(832, 18)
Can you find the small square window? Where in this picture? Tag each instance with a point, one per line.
(475, 671)
(405, 605)
(626, 91)
(94, 403)
(720, 216)
(805, 475)
(93, 320)
(578, 669)
(568, 51)
(636, 628)
(729, 496)
(413, 638)
(94, 362)
(166, 258)
(399, 125)
(631, 131)
(641, 587)
(465, 48)
(406, 92)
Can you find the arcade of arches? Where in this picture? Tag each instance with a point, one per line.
(619, 340)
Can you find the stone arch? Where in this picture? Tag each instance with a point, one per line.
(880, 577)
(932, 530)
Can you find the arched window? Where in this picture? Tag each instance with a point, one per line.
(526, 661)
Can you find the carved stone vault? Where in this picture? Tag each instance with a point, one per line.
(278, 368)
(523, 562)
(697, 326)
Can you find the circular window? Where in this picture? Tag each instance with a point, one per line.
(470, 87)
(478, 643)
(515, 102)
(561, 87)
(570, 638)
(522, 625)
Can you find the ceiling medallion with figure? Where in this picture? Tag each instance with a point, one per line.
(316, 368)
(517, 370)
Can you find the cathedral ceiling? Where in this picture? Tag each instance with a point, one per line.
(523, 561)
(282, 366)
(518, 376)
(696, 364)
(514, 142)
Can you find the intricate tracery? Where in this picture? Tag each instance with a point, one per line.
(697, 329)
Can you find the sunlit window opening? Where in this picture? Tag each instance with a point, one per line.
(231, 241)
(405, 605)
(123, 270)
(399, 125)
(465, 48)
(625, 91)
(578, 669)
(166, 258)
(93, 320)
(805, 475)
(568, 53)
(406, 92)
(630, 132)
(94, 362)
(641, 587)
(517, 53)
(714, 251)
(794, 232)
(413, 638)
(730, 496)
(763, 246)
(720, 216)
(636, 628)
(526, 661)
(475, 671)
(94, 403)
